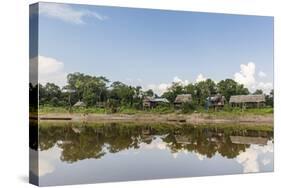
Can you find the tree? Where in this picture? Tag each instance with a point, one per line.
(149, 93)
(89, 89)
(173, 91)
(269, 99)
(190, 89)
(137, 100)
(203, 90)
(229, 87)
(258, 92)
(33, 97)
(50, 94)
(188, 107)
(122, 93)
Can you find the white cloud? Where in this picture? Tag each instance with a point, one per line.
(159, 89)
(45, 167)
(139, 80)
(266, 161)
(180, 81)
(163, 87)
(247, 77)
(200, 156)
(175, 155)
(200, 78)
(49, 70)
(155, 144)
(254, 155)
(248, 159)
(67, 13)
(33, 70)
(48, 160)
(262, 74)
(266, 87)
(48, 65)
(43, 161)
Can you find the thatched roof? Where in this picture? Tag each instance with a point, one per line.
(246, 98)
(248, 140)
(183, 98)
(79, 104)
(183, 139)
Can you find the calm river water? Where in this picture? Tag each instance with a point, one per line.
(76, 154)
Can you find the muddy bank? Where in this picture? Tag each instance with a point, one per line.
(159, 118)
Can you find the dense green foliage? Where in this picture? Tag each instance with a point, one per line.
(201, 90)
(99, 92)
(188, 107)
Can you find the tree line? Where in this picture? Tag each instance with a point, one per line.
(94, 90)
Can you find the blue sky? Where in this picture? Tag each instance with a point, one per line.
(152, 48)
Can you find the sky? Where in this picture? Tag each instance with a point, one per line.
(153, 48)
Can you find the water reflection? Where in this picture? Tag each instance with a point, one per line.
(172, 151)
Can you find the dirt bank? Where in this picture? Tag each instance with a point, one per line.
(159, 118)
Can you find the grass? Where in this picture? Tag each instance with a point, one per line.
(238, 112)
(121, 110)
(226, 112)
(50, 109)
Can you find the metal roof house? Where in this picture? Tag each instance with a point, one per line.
(247, 100)
(183, 98)
(79, 104)
(150, 102)
(215, 101)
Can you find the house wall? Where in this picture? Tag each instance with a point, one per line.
(249, 104)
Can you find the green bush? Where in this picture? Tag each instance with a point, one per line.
(162, 109)
(137, 105)
(113, 105)
(188, 107)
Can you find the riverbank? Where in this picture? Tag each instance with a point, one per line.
(194, 118)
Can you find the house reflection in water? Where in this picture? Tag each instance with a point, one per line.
(248, 140)
(94, 149)
(95, 141)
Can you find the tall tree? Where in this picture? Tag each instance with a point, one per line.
(204, 89)
(50, 94)
(173, 91)
(229, 87)
(269, 99)
(258, 92)
(89, 89)
(123, 93)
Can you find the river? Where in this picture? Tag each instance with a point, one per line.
(93, 153)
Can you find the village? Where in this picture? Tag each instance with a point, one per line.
(215, 102)
(92, 99)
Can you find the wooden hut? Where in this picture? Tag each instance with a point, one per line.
(181, 99)
(146, 102)
(247, 101)
(184, 140)
(248, 140)
(150, 102)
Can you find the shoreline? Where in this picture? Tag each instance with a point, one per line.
(195, 118)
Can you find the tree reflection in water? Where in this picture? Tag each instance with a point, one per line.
(87, 141)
